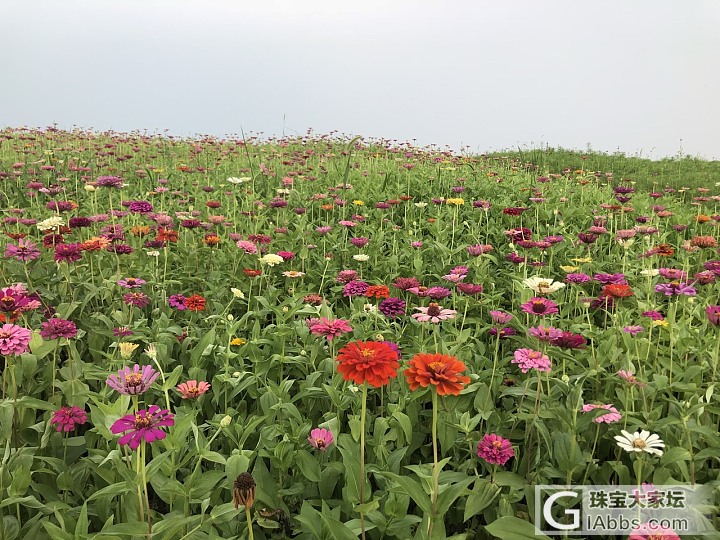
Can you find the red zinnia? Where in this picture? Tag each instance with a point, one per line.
(374, 362)
(167, 235)
(377, 291)
(195, 303)
(252, 273)
(617, 291)
(441, 370)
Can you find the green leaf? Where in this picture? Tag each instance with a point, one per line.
(447, 497)
(412, 488)
(482, 496)
(81, 528)
(206, 342)
(308, 465)
(512, 528)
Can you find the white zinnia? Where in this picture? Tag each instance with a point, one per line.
(640, 441)
(237, 293)
(50, 223)
(241, 180)
(271, 259)
(543, 285)
(361, 257)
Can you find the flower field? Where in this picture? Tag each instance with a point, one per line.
(316, 337)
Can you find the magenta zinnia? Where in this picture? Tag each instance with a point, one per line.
(143, 426)
(321, 438)
(612, 416)
(67, 418)
(495, 450)
(132, 381)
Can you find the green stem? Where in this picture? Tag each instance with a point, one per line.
(249, 523)
(436, 467)
(363, 412)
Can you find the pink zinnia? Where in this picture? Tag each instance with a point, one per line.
(247, 246)
(612, 416)
(545, 333)
(321, 438)
(14, 339)
(629, 378)
(500, 317)
(143, 426)
(713, 314)
(138, 299)
(67, 418)
(433, 313)
(329, 329)
(495, 450)
(540, 307)
(528, 359)
(132, 381)
(647, 531)
(193, 389)
(286, 255)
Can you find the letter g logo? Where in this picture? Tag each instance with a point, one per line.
(574, 513)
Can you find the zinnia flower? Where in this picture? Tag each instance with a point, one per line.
(528, 359)
(652, 531)
(433, 313)
(392, 307)
(67, 418)
(374, 362)
(132, 382)
(540, 307)
(195, 303)
(640, 441)
(713, 314)
(138, 299)
(271, 259)
(542, 285)
(321, 438)
(612, 416)
(329, 328)
(14, 340)
(244, 490)
(143, 426)
(192, 389)
(495, 450)
(24, 251)
(58, 328)
(440, 370)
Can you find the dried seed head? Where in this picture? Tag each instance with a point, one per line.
(244, 490)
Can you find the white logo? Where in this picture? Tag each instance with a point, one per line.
(547, 506)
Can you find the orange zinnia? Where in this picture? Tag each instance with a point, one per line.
(617, 291)
(377, 291)
(441, 370)
(374, 362)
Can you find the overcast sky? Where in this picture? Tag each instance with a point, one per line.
(639, 76)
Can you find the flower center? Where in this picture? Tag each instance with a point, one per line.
(496, 444)
(639, 443)
(4, 334)
(433, 310)
(436, 367)
(543, 285)
(538, 306)
(367, 353)
(320, 443)
(134, 379)
(142, 421)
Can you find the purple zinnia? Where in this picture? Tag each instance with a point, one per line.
(177, 301)
(58, 328)
(675, 288)
(68, 252)
(577, 278)
(132, 381)
(109, 182)
(540, 306)
(610, 279)
(24, 251)
(545, 333)
(392, 307)
(140, 207)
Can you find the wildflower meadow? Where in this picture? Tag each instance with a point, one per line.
(321, 337)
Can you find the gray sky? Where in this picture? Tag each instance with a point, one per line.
(630, 75)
